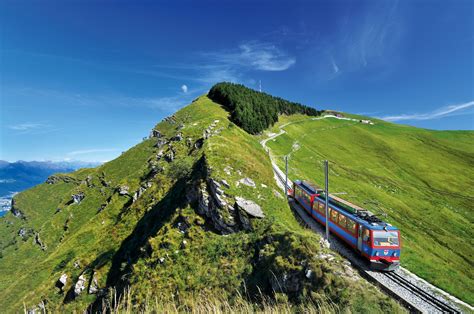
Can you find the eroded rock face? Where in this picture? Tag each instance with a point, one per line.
(249, 207)
(226, 214)
(93, 285)
(123, 190)
(155, 133)
(161, 142)
(61, 283)
(80, 285)
(178, 137)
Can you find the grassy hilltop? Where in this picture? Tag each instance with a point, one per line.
(140, 227)
(422, 179)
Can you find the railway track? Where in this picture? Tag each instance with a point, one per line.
(421, 293)
(415, 297)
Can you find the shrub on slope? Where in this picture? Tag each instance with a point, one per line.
(254, 111)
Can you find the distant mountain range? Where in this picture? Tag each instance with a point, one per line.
(21, 175)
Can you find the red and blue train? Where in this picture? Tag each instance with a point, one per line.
(374, 239)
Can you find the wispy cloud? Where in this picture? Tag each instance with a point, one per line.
(451, 110)
(184, 88)
(92, 151)
(27, 126)
(31, 128)
(230, 65)
(253, 55)
(359, 39)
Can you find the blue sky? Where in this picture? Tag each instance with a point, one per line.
(85, 80)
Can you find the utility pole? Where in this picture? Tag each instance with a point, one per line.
(286, 175)
(326, 191)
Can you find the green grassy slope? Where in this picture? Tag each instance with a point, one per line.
(158, 245)
(422, 179)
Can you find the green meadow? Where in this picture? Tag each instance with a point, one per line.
(421, 181)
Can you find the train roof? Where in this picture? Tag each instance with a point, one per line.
(360, 215)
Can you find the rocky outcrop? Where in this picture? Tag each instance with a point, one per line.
(123, 190)
(61, 282)
(38, 241)
(226, 214)
(161, 142)
(249, 207)
(93, 285)
(178, 137)
(15, 211)
(246, 181)
(155, 133)
(80, 285)
(60, 178)
(77, 198)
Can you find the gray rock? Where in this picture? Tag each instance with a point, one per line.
(80, 285)
(249, 207)
(277, 194)
(22, 233)
(247, 182)
(225, 184)
(77, 198)
(169, 156)
(161, 142)
(227, 170)
(178, 137)
(62, 281)
(38, 241)
(93, 286)
(123, 190)
(155, 133)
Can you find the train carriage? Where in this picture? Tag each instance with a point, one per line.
(375, 240)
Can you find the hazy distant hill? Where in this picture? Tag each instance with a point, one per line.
(20, 175)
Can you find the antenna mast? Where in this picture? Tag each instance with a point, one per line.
(260, 86)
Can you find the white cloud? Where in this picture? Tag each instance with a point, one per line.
(91, 151)
(438, 113)
(253, 55)
(27, 126)
(184, 88)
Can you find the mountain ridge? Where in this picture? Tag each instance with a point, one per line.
(164, 218)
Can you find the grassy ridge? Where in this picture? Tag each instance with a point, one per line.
(141, 245)
(422, 179)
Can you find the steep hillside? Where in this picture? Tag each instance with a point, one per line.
(422, 179)
(191, 213)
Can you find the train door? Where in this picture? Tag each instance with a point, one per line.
(359, 238)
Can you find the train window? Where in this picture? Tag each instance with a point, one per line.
(351, 226)
(342, 220)
(366, 235)
(321, 207)
(385, 238)
(334, 215)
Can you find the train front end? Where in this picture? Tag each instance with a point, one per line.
(385, 248)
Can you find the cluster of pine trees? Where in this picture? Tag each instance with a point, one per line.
(254, 111)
